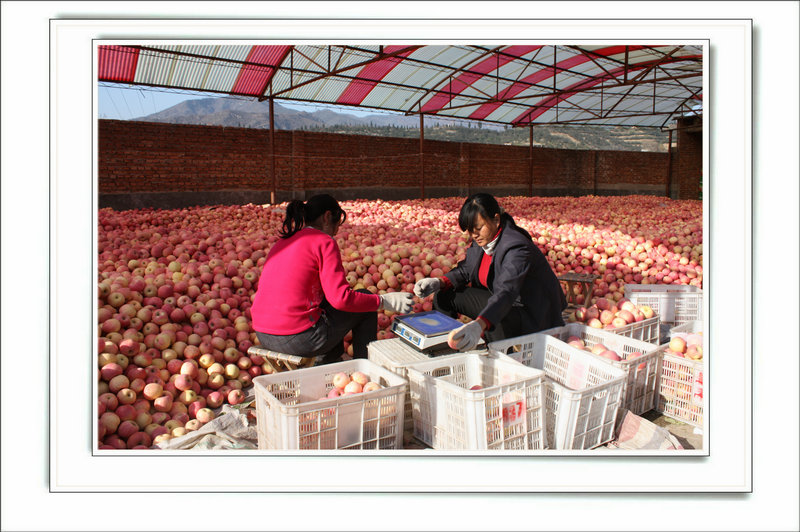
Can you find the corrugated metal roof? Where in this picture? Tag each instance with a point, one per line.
(520, 84)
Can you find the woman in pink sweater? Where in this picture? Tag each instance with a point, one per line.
(304, 305)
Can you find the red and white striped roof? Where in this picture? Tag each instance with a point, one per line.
(635, 85)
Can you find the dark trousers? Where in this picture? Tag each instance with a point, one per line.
(469, 301)
(326, 337)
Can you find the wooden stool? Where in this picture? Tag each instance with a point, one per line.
(279, 362)
(584, 280)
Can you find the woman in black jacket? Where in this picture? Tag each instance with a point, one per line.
(504, 284)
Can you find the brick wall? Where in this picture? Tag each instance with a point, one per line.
(689, 157)
(166, 165)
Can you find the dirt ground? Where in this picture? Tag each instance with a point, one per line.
(683, 432)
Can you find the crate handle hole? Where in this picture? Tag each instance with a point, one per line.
(440, 372)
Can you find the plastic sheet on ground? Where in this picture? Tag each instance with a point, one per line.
(635, 432)
(231, 429)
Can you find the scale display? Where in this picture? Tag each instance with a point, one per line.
(425, 330)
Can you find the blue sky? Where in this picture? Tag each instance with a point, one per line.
(123, 102)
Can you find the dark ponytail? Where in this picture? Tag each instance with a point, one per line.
(299, 214)
(486, 205)
(295, 218)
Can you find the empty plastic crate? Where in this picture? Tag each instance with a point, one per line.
(395, 355)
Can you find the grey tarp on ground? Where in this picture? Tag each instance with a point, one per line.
(229, 430)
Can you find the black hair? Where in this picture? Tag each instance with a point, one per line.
(299, 214)
(486, 205)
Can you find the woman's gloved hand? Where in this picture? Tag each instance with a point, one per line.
(425, 287)
(400, 302)
(466, 337)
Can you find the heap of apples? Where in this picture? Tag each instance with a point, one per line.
(604, 314)
(176, 286)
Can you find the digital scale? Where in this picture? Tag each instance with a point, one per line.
(425, 331)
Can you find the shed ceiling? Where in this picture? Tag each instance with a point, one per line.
(517, 85)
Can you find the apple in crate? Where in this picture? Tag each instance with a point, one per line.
(359, 377)
(334, 393)
(576, 342)
(694, 339)
(619, 322)
(353, 387)
(637, 354)
(611, 355)
(678, 344)
(598, 348)
(340, 380)
(371, 386)
(694, 352)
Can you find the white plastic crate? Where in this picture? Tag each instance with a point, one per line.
(689, 327)
(648, 330)
(681, 381)
(680, 388)
(395, 355)
(290, 414)
(641, 373)
(506, 413)
(582, 393)
(674, 304)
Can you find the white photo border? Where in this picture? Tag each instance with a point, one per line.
(542, 472)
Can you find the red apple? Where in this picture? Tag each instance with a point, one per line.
(236, 397)
(340, 380)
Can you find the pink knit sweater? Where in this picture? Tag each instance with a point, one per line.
(298, 273)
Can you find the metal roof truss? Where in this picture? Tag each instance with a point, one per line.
(517, 85)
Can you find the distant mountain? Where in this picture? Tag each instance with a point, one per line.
(254, 114)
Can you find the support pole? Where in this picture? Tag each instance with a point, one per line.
(422, 154)
(530, 160)
(272, 151)
(669, 165)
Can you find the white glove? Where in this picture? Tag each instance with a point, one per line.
(425, 287)
(467, 336)
(400, 302)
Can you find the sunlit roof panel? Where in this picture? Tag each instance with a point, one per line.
(507, 84)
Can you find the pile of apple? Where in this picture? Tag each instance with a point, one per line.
(686, 346)
(356, 382)
(605, 314)
(177, 285)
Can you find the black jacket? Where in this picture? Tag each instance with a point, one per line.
(520, 276)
